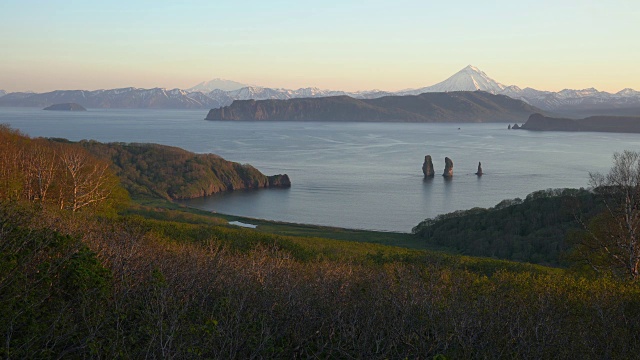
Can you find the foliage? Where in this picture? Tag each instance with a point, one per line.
(610, 242)
(163, 289)
(56, 175)
(173, 173)
(166, 284)
(53, 290)
(532, 230)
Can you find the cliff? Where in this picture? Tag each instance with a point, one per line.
(66, 107)
(174, 173)
(458, 106)
(622, 124)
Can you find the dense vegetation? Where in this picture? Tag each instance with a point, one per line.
(182, 175)
(54, 174)
(532, 230)
(132, 287)
(161, 283)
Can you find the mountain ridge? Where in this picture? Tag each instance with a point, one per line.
(567, 102)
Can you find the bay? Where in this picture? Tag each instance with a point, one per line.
(353, 175)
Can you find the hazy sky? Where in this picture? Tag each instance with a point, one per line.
(345, 45)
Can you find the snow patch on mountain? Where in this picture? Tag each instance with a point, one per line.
(217, 84)
(468, 79)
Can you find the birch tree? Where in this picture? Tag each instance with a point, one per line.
(610, 241)
(88, 181)
(40, 167)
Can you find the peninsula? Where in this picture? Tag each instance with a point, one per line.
(621, 124)
(153, 170)
(455, 106)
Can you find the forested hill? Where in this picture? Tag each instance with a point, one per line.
(457, 106)
(533, 230)
(174, 173)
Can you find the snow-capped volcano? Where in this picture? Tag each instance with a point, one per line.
(468, 79)
(217, 84)
(567, 101)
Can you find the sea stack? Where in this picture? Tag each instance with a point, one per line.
(427, 167)
(479, 173)
(448, 168)
(279, 181)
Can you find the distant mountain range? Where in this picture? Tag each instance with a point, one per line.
(455, 106)
(218, 93)
(126, 98)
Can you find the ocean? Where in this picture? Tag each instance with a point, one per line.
(352, 175)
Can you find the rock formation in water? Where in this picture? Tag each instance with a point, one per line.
(479, 173)
(66, 107)
(280, 180)
(515, 127)
(448, 168)
(509, 127)
(427, 167)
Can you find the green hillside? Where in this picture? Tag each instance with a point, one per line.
(152, 280)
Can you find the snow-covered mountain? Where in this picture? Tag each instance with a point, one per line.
(468, 79)
(567, 102)
(217, 84)
(127, 98)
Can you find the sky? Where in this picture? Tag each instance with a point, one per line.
(340, 45)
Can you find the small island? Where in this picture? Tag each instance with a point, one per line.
(66, 107)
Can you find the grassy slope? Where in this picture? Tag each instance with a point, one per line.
(145, 207)
(319, 242)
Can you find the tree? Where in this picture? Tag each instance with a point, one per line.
(40, 163)
(11, 156)
(88, 181)
(610, 241)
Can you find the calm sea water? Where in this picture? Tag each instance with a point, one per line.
(353, 175)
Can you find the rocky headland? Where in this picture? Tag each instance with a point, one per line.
(622, 124)
(456, 106)
(66, 107)
(173, 173)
